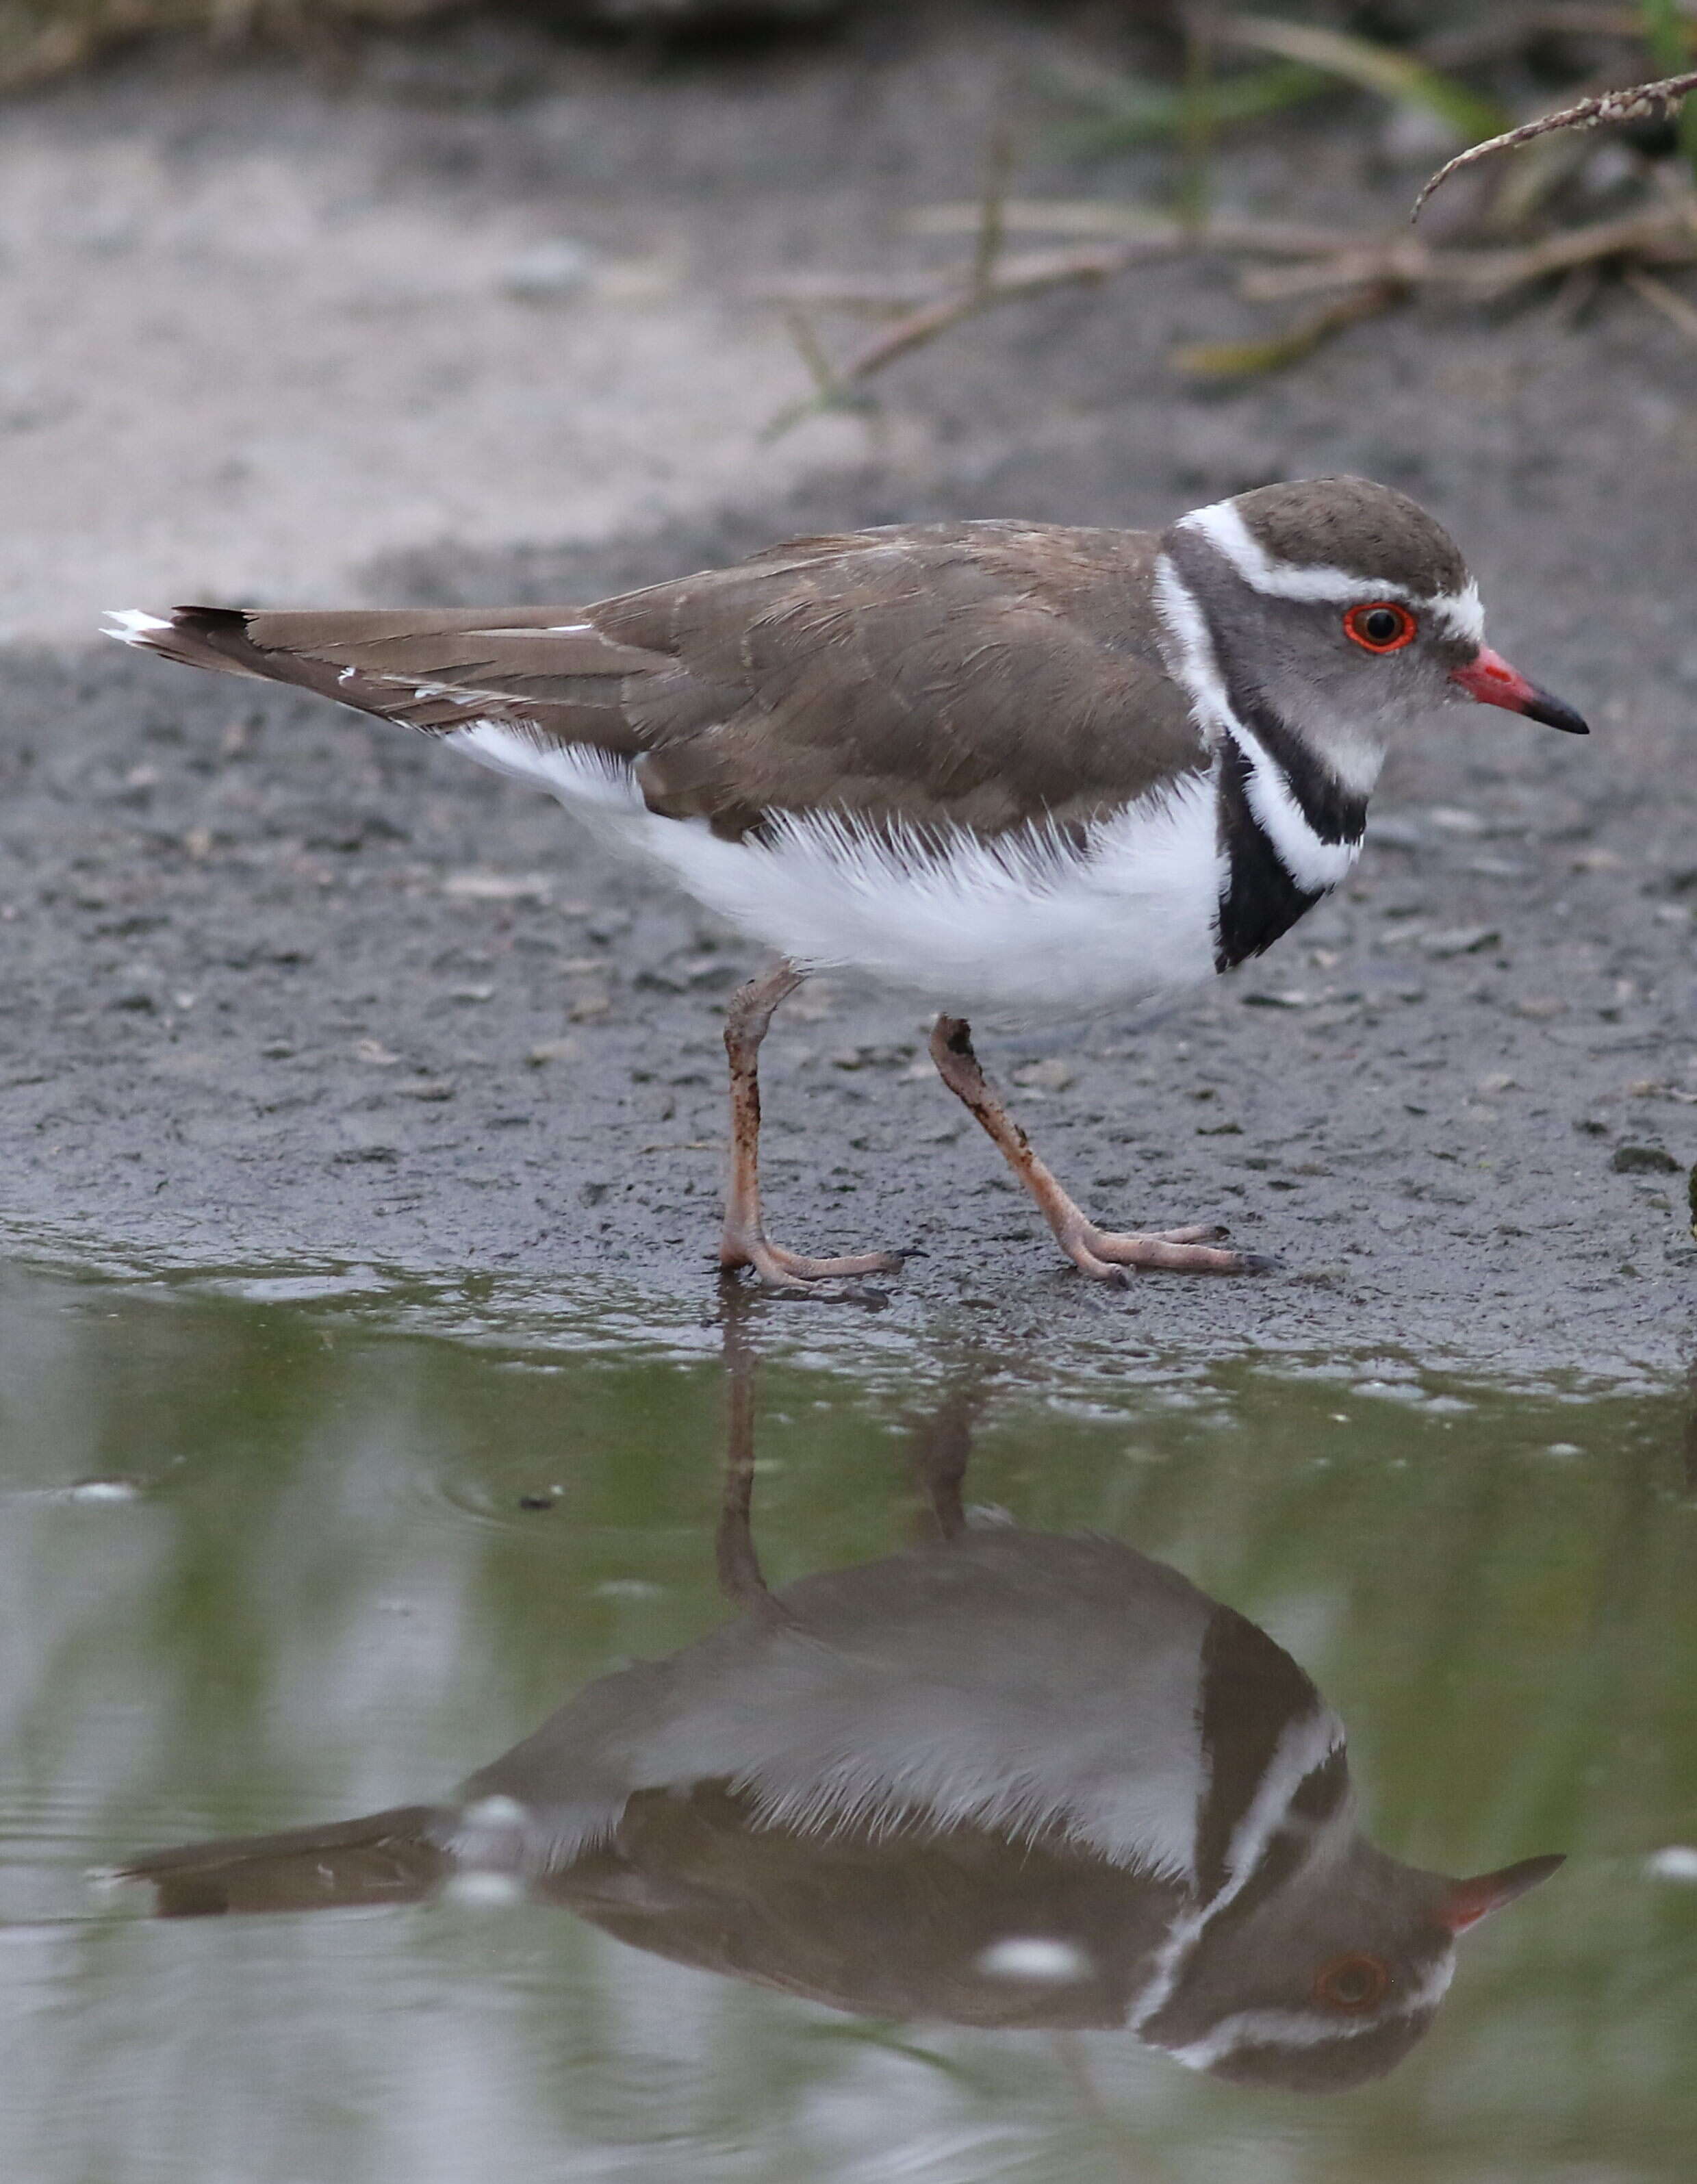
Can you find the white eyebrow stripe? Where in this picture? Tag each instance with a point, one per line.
(1221, 523)
(1193, 663)
(1464, 611)
(1294, 2028)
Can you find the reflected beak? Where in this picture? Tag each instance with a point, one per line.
(1493, 682)
(1465, 1902)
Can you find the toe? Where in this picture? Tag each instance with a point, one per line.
(1160, 1253)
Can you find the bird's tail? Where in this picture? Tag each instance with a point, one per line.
(549, 672)
(385, 1857)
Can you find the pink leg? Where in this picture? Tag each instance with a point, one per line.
(1098, 1252)
(744, 1242)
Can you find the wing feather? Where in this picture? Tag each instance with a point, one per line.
(987, 676)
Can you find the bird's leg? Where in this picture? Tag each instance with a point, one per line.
(744, 1242)
(740, 1578)
(1098, 1252)
(943, 1448)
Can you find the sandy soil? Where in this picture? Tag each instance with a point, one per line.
(286, 984)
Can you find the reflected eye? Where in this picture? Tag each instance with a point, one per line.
(1381, 626)
(1354, 1981)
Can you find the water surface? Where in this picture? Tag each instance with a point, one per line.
(274, 1560)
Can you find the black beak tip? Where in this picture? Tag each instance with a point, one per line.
(1555, 715)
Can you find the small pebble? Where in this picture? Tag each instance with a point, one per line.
(548, 272)
(1642, 1160)
(1452, 819)
(1460, 940)
(105, 1490)
(1050, 1075)
(496, 886)
(1676, 1861)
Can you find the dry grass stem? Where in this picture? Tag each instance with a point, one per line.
(1160, 232)
(1250, 358)
(1639, 101)
(1660, 237)
(1661, 297)
(998, 172)
(1376, 272)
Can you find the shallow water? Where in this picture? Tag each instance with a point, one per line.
(275, 1559)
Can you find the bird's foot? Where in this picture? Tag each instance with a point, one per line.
(1107, 1257)
(793, 1274)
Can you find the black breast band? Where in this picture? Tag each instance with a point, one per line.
(1260, 900)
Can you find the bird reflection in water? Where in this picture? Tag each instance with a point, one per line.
(1007, 1779)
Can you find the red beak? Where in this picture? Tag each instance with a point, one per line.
(1466, 1901)
(1493, 682)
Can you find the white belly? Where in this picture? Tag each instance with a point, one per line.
(1044, 930)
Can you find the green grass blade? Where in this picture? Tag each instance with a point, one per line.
(1380, 69)
(1671, 38)
(1131, 113)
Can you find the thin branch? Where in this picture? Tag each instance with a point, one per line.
(1639, 102)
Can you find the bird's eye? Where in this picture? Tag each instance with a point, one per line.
(1381, 626)
(1354, 1981)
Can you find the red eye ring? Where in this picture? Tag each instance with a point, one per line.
(1354, 1981)
(1381, 625)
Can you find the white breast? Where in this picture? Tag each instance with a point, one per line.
(1042, 927)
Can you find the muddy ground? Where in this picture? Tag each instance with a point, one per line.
(284, 985)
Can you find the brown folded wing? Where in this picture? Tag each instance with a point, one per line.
(979, 675)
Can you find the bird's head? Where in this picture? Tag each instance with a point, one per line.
(1341, 607)
(1324, 1973)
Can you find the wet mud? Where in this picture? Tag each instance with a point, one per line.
(283, 985)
